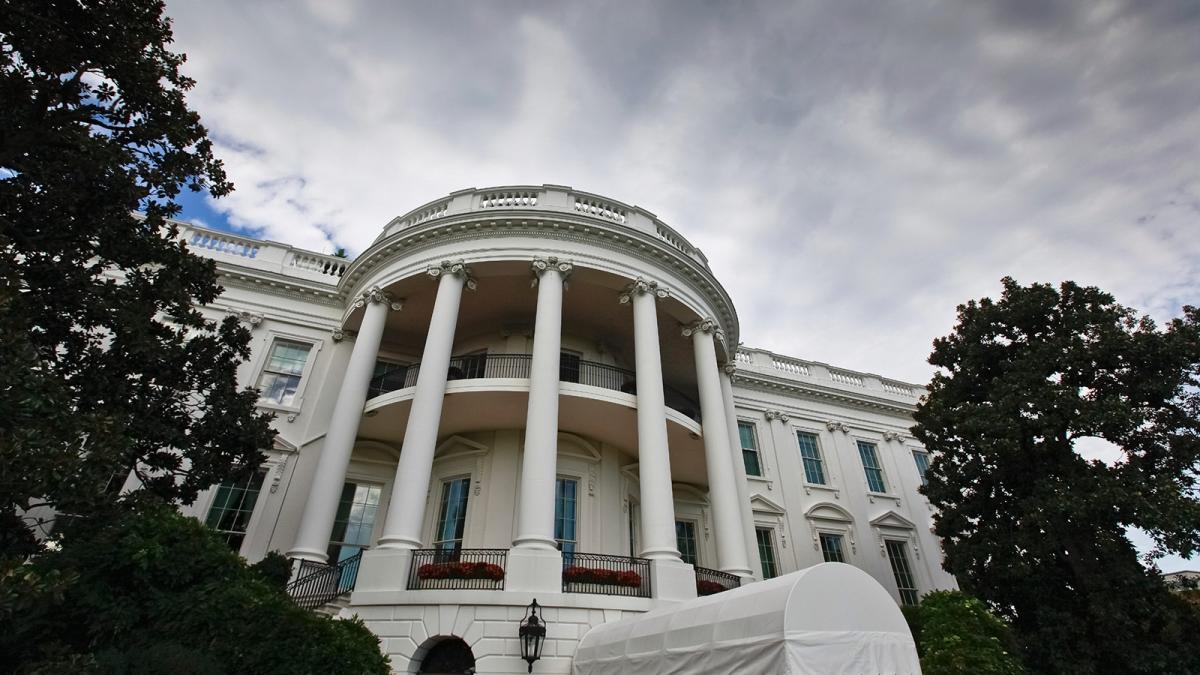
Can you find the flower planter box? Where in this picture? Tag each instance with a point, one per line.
(460, 570)
(588, 575)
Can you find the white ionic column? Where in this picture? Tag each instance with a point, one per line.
(672, 578)
(654, 463)
(316, 525)
(739, 470)
(534, 563)
(539, 471)
(406, 512)
(722, 488)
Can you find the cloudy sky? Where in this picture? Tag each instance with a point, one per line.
(853, 170)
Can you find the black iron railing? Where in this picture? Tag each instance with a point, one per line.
(317, 584)
(606, 574)
(458, 569)
(589, 373)
(714, 581)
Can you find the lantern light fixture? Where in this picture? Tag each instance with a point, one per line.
(532, 633)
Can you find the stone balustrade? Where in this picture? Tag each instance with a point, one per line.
(763, 361)
(554, 198)
(263, 255)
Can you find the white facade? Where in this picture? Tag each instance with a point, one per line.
(578, 389)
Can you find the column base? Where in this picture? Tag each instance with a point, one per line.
(308, 554)
(384, 569)
(672, 580)
(535, 570)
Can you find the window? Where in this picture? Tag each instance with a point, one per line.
(230, 512)
(898, 557)
(766, 551)
(685, 541)
(566, 493)
(831, 547)
(568, 366)
(922, 460)
(355, 521)
(281, 376)
(870, 461)
(387, 377)
(453, 517)
(749, 448)
(814, 470)
(632, 530)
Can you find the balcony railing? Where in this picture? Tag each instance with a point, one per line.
(517, 366)
(458, 569)
(606, 574)
(714, 581)
(317, 583)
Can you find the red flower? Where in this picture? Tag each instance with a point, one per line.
(461, 570)
(705, 587)
(590, 575)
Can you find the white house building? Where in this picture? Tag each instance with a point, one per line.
(537, 392)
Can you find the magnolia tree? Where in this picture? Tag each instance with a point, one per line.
(1028, 523)
(107, 366)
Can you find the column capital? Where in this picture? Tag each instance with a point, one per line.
(729, 368)
(777, 415)
(641, 286)
(708, 326)
(340, 334)
(539, 265)
(893, 436)
(457, 268)
(251, 319)
(837, 426)
(377, 294)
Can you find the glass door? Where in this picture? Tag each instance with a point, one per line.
(354, 524)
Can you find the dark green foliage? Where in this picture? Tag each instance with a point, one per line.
(956, 635)
(157, 592)
(1027, 524)
(107, 364)
(275, 568)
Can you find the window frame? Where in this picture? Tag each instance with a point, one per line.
(264, 360)
(909, 595)
(757, 450)
(771, 547)
(252, 515)
(922, 473)
(696, 548)
(435, 541)
(575, 516)
(883, 478)
(841, 545)
(375, 521)
(822, 465)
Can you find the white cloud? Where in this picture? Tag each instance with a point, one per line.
(852, 171)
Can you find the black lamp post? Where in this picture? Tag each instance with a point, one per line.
(533, 633)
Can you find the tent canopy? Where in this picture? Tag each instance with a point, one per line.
(825, 620)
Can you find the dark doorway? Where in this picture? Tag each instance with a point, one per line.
(450, 656)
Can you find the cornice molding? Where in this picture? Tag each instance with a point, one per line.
(761, 382)
(551, 226)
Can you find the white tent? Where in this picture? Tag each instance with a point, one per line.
(831, 619)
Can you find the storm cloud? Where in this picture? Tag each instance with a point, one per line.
(853, 170)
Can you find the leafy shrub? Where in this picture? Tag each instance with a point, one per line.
(275, 568)
(956, 634)
(157, 592)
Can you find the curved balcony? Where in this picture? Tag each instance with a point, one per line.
(517, 366)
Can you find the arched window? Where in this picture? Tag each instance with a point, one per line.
(450, 656)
